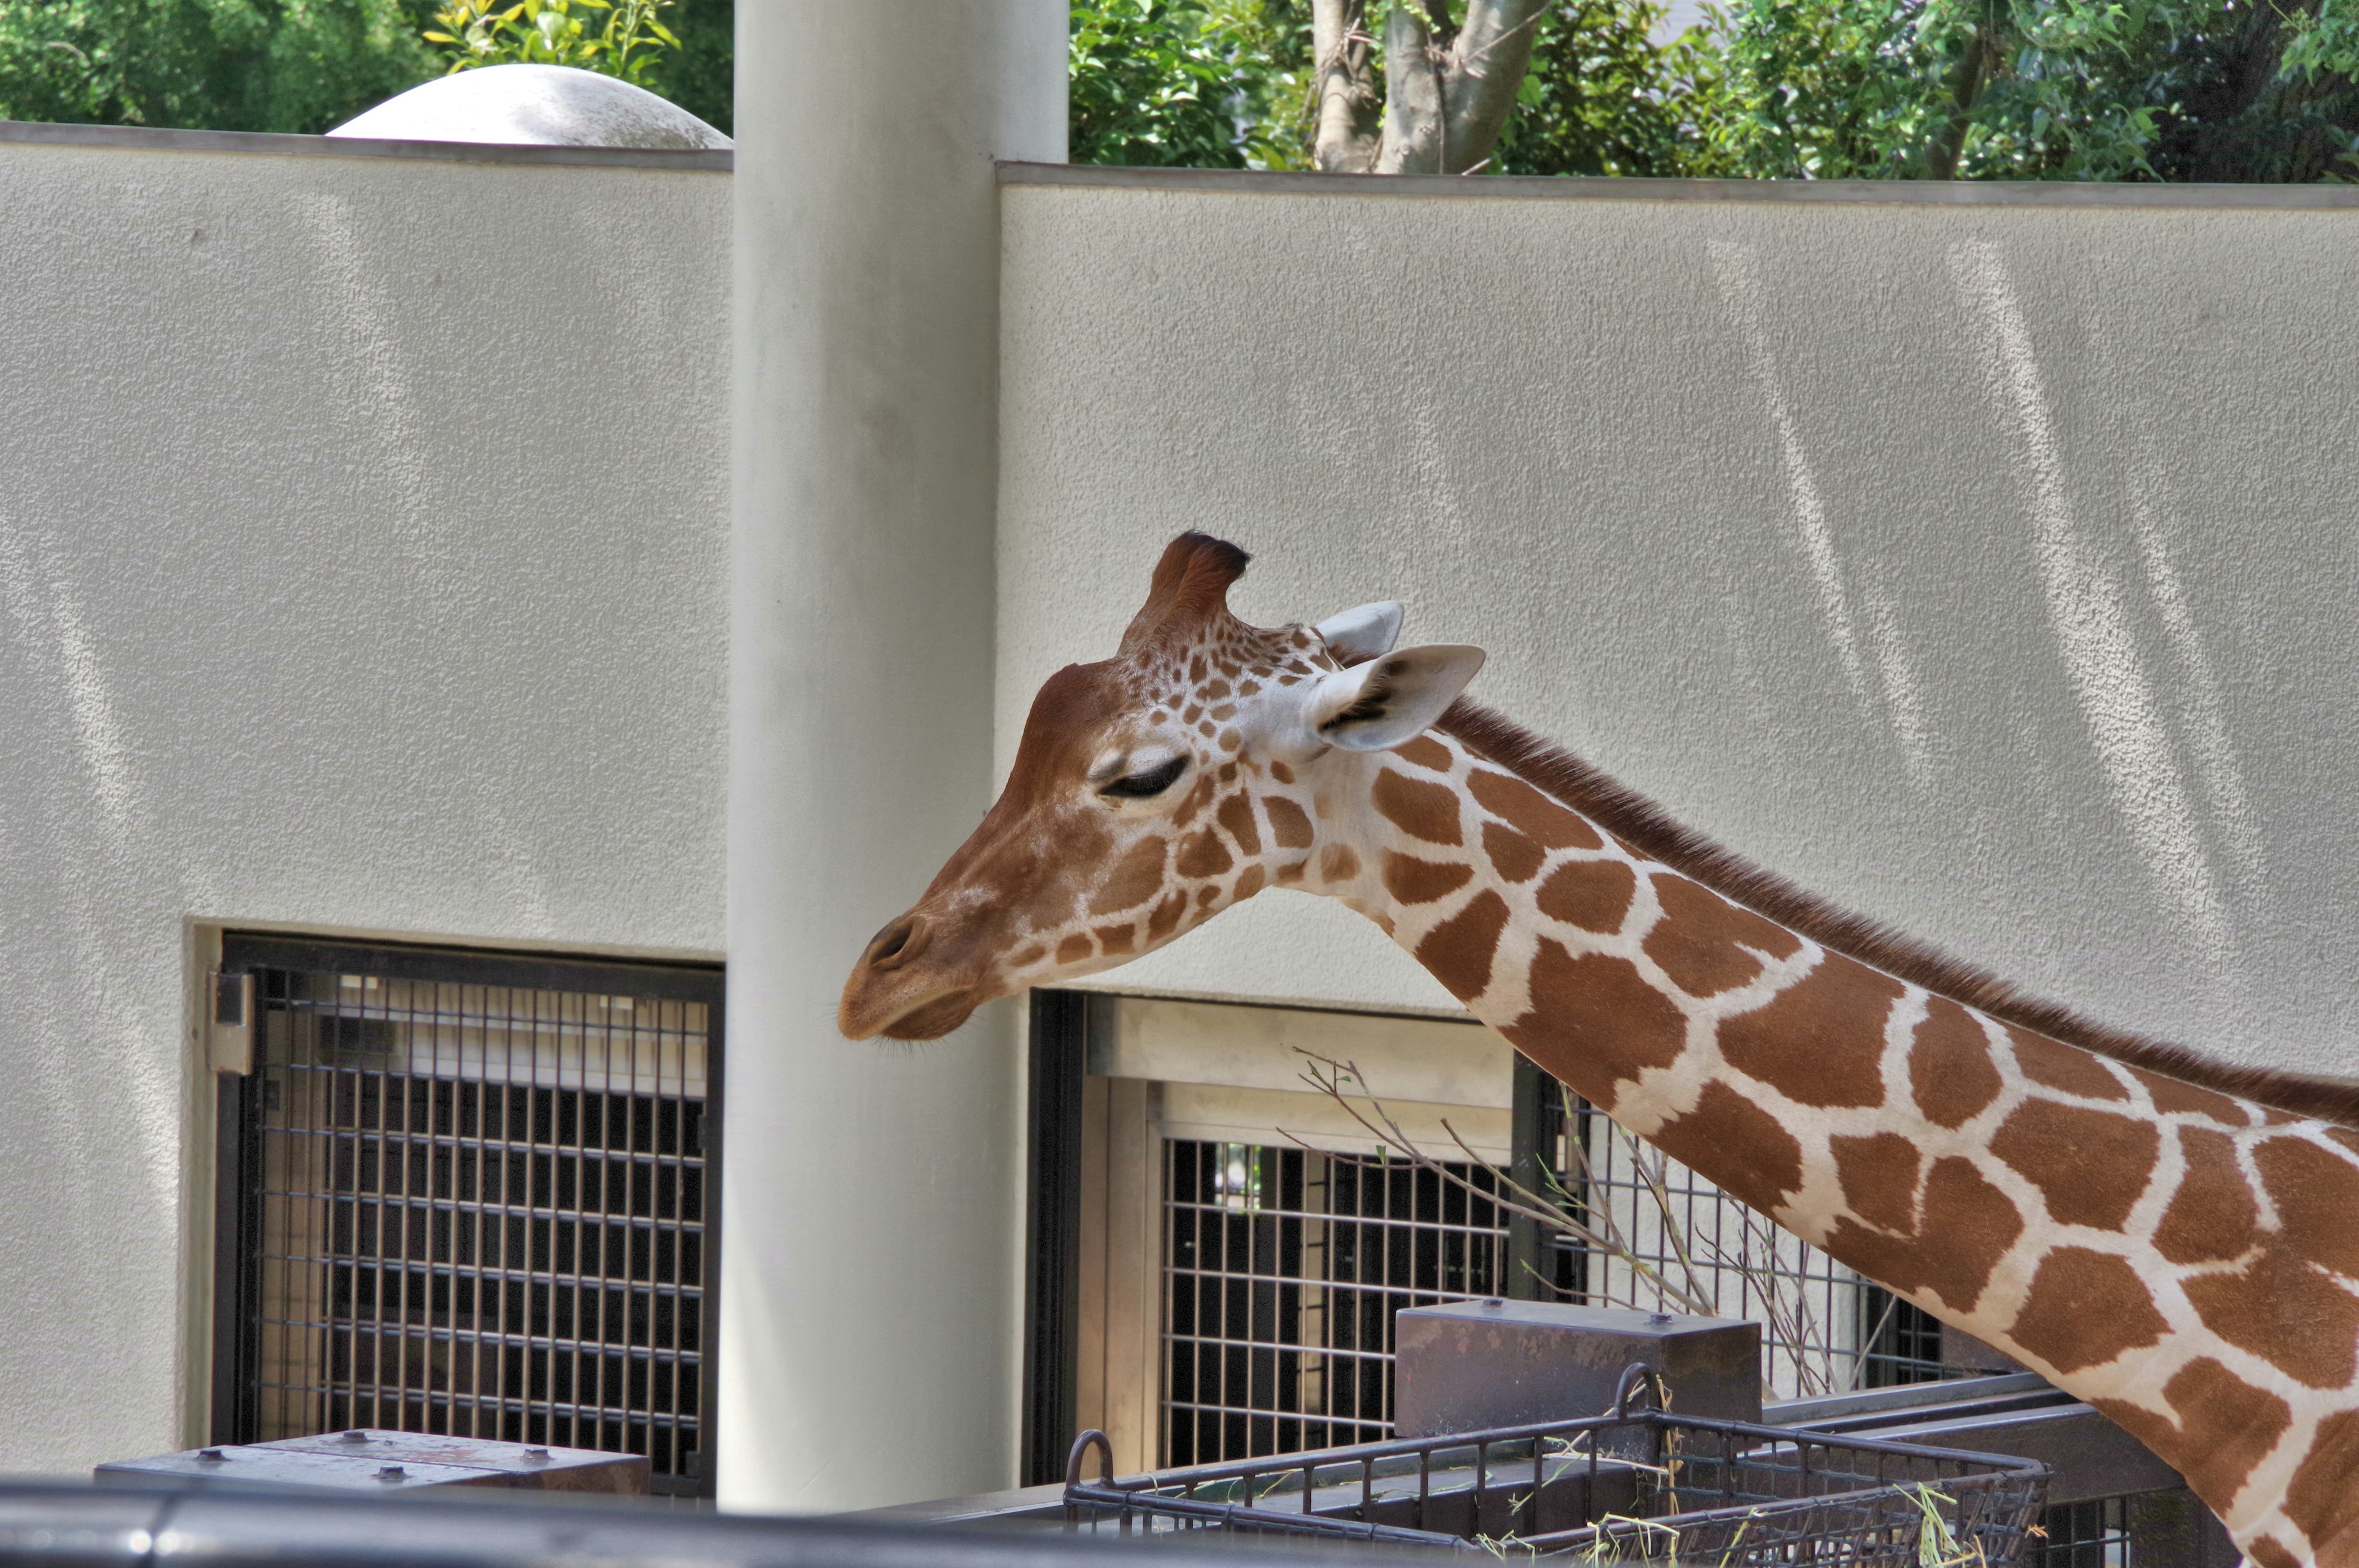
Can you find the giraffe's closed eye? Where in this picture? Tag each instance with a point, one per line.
(1154, 781)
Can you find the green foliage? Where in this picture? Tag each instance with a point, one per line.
(1604, 96)
(2070, 90)
(234, 65)
(614, 37)
(701, 75)
(2211, 89)
(1190, 84)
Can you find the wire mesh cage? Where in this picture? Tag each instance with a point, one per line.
(1635, 1485)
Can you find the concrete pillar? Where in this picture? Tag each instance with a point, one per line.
(870, 1260)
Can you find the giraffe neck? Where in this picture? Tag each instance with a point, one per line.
(2179, 1258)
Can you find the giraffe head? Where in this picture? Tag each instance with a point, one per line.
(1150, 792)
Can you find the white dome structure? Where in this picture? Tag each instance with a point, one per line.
(534, 105)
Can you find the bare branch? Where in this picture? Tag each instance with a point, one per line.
(1344, 86)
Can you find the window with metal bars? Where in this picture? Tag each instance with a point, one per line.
(1684, 1242)
(469, 1194)
(2091, 1534)
(1282, 1269)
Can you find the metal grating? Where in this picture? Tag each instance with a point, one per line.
(1282, 1270)
(478, 1210)
(1825, 1329)
(2091, 1534)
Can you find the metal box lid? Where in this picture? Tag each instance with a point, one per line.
(372, 1459)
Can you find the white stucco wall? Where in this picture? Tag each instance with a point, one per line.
(363, 525)
(1986, 568)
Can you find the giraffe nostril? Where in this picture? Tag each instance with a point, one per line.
(895, 944)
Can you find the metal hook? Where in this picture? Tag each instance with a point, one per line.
(1081, 1446)
(1633, 1375)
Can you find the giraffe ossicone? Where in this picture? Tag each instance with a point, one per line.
(2172, 1239)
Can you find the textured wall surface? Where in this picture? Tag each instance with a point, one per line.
(1989, 568)
(362, 525)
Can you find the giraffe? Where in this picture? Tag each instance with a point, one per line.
(2173, 1239)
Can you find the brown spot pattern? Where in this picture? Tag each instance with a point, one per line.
(1504, 796)
(1198, 798)
(1426, 753)
(1879, 1179)
(1032, 953)
(1821, 1040)
(1735, 1144)
(1968, 1224)
(1137, 878)
(2264, 1550)
(2057, 1065)
(2238, 1425)
(1202, 854)
(1427, 811)
(1594, 1020)
(1412, 880)
(1950, 1068)
(2172, 1095)
(1338, 864)
(1250, 882)
(1237, 814)
(1165, 918)
(1115, 939)
(2212, 1217)
(2286, 1311)
(1701, 937)
(2091, 1165)
(2084, 1309)
(1515, 856)
(2323, 1498)
(1074, 948)
(1290, 825)
(2317, 1197)
(1458, 951)
(1593, 895)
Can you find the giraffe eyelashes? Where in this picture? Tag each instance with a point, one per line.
(1148, 782)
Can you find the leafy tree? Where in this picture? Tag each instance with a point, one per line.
(1188, 83)
(2212, 90)
(1607, 95)
(622, 39)
(2218, 89)
(237, 65)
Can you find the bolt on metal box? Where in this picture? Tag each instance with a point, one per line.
(1467, 1366)
(374, 1460)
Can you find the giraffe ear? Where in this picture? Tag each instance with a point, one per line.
(1381, 704)
(1361, 635)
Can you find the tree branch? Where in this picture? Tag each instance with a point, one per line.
(1965, 87)
(1343, 86)
(1448, 98)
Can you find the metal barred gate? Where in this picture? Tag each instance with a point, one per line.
(473, 1195)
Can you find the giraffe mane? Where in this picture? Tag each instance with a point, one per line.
(1648, 828)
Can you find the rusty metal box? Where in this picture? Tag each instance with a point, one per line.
(1466, 1366)
(374, 1460)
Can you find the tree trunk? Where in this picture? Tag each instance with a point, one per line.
(1343, 78)
(1448, 97)
(1965, 88)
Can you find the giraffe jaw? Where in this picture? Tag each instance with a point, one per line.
(865, 1014)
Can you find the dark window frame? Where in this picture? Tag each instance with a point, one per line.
(237, 1199)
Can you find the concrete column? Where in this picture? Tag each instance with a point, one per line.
(870, 1262)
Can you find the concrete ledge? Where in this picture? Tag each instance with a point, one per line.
(145, 138)
(1582, 188)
